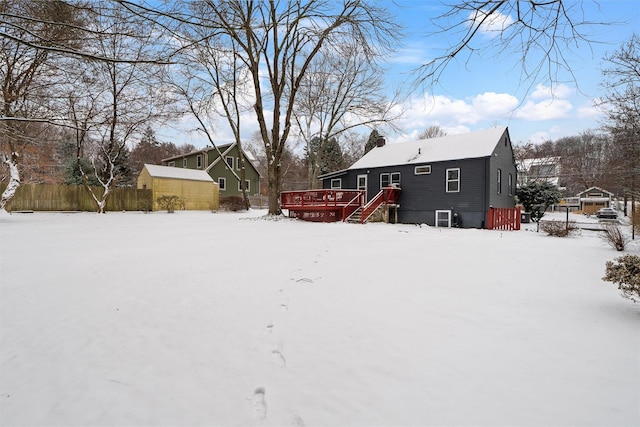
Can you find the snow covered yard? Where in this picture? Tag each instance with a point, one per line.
(230, 319)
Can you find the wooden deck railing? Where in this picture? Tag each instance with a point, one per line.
(504, 218)
(387, 195)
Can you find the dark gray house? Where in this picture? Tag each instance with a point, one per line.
(448, 181)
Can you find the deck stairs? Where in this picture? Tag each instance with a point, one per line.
(387, 195)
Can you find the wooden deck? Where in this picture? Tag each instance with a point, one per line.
(333, 205)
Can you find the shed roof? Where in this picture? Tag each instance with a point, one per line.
(157, 171)
(464, 146)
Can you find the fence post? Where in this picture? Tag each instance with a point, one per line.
(490, 219)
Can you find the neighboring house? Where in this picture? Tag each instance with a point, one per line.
(452, 180)
(539, 169)
(195, 188)
(224, 170)
(594, 198)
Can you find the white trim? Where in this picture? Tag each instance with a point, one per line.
(447, 181)
(448, 212)
(184, 162)
(247, 182)
(499, 183)
(226, 161)
(171, 163)
(339, 183)
(199, 161)
(222, 183)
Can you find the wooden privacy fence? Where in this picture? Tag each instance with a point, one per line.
(51, 197)
(503, 218)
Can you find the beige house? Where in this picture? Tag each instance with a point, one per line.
(196, 189)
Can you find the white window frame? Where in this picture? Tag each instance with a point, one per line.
(199, 161)
(426, 170)
(336, 183)
(238, 163)
(171, 163)
(247, 183)
(499, 181)
(448, 212)
(392, 178)
(449, 181)
(222, 183)
(184, 162)
(229, 161)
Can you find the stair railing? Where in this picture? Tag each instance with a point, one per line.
(386, 195)
(352, 206)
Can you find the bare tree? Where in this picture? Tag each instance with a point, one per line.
(27, 75)
(540, 32)
(276, 42)
(114, 101)
(214, 83)
(342, 90)
(433, 131)
(622, 82)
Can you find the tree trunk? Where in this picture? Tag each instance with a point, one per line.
(14, 182)
(274, 188)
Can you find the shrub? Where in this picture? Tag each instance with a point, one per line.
(558, 228)
(614, 237)
(232, 203)
(169, 203)
(626, 274)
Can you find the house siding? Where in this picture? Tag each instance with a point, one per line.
(423, 195)
(221, 169)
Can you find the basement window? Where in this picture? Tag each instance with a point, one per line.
(336, 184)
(422, 170)
(171, 163)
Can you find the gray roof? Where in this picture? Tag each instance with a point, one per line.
(464, 146)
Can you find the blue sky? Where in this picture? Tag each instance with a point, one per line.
(487, 90)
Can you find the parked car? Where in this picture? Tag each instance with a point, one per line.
(607, 213)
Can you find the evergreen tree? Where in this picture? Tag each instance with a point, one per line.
(374, 136)
(536, 197)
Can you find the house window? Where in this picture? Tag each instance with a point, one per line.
(443, 218)
(184, 162)
(387, 179)
(422, 170)
(510, 185)
(199, 161)
(499, 181)
(453, 180)
(222, 183)
(336, 184)
(238, 163)
(229, 161)
(247, 184)
(172, 163)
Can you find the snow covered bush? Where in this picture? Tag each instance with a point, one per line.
(558, 228)
(614, 237)
(169, 203)
(626, 274)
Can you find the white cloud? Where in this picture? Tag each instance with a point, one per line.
(491, 104)
(493, 24)
(561, 91)
(545, 110)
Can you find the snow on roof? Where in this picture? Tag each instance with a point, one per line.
(465, 146)
(157, 171)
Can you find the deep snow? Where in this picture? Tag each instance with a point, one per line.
(197, 318)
